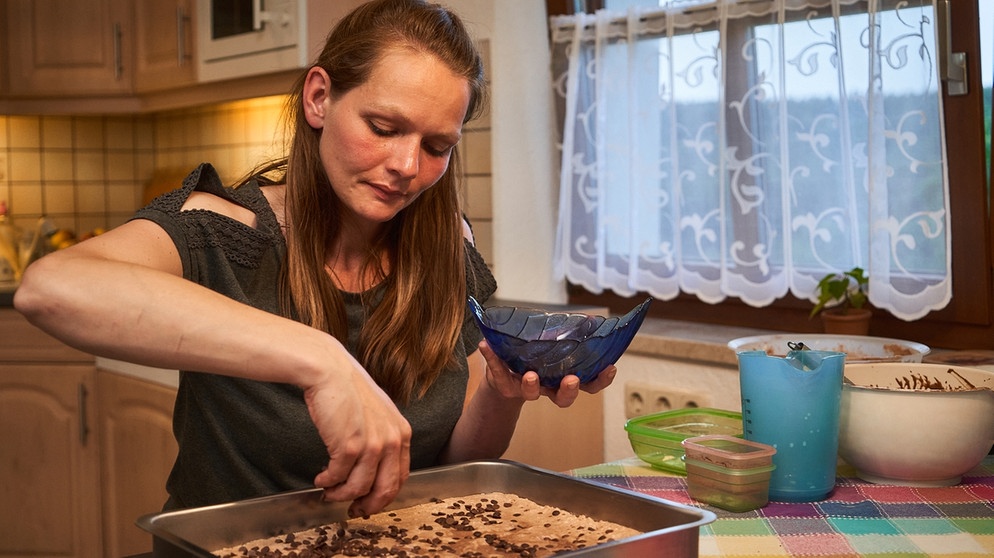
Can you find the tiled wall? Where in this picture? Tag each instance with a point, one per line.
(475, 152)
(233, 137)
(82, 172)
(93, 171)
(85, 172)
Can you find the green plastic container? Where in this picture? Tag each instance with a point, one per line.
(736, 490)
(729, 472)
(657, 438)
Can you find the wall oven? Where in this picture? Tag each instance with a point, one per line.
(238, 38)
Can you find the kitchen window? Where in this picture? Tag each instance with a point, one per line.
(965, 322)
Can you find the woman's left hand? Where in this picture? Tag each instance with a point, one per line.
(527, 386)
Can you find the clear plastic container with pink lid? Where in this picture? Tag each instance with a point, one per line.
(728, 472)
(728, 451)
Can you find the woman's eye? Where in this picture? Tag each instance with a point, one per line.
(436, 151)
(378, 130)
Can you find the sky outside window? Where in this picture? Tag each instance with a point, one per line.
(986, 16)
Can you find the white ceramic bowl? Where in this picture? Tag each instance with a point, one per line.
(894, 431)
(858, 348)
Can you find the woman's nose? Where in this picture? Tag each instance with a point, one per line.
(405, 157)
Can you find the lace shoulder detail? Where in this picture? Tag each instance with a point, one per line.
(200, 231)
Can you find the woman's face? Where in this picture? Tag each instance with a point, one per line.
(390, 139)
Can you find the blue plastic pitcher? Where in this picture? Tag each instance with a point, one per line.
(792, 404)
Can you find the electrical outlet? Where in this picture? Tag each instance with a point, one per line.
(644, 399)
(634, 401)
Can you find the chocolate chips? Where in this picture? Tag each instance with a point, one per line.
(482, 526)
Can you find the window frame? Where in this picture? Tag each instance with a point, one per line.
(968, 321)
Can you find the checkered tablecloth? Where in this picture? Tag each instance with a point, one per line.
(858, 518)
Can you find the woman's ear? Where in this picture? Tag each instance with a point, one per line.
(317, 92)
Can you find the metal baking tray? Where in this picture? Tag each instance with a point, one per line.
(668, 528)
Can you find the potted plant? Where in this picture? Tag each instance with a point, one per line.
(841, 302)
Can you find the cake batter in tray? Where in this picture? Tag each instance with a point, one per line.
(668, 528)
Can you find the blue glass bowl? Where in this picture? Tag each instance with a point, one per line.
(556, 344)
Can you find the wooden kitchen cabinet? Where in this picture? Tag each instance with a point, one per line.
(49, 462)
(69, 48)
(98, 47)
(560, 439)
(137, 453)
(164, 44)
(49, 450)
(4, 73)
(83, 452)
(123, 57)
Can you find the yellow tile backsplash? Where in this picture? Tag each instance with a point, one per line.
(57, 131)
(56, 166)
(85, 172)
(89, 165)
(24, 132)
(25, 166)
(88, 133)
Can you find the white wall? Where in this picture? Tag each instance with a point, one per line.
(710, 385)
(524, 183)
(522, 135)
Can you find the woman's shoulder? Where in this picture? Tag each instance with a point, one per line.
(217, 225)
(203, 193)
(203, 178)
(214, 203)
(203, 211)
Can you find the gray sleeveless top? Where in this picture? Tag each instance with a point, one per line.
(241, 438)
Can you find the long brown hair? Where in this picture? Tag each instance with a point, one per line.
(410, 337)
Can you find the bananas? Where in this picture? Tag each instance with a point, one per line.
(64, 238)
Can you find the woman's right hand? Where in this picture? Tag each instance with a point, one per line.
(367, 438)
(121, 295)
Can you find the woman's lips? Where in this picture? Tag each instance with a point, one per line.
(385, 193)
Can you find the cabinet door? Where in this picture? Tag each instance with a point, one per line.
(560, 439)
(49, 462)
(164, 44)
(138, 450)
(69, 48)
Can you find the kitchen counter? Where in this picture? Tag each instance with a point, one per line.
(168, 378)
(858, 518)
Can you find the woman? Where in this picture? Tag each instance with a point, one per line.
(319, 316)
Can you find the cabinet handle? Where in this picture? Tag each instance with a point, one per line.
(84, 426)
(258, 17)
(181, 22)
(118, 55)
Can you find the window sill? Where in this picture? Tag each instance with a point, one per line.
(708, 344)
(675, 339)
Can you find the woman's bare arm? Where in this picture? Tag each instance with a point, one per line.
(120, 295)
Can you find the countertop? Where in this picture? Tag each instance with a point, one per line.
(168, 378)
(858, 518)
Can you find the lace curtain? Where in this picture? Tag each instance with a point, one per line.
(747, 148)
